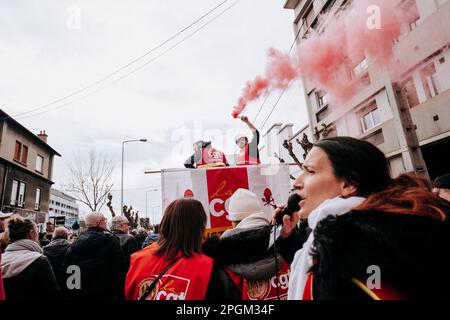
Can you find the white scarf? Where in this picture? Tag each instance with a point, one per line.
(18, 256)
(303, 259)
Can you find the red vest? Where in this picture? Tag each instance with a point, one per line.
(211, 156)
(244, 158)
(239, 282)
(187, 279)
(267, 289)
(2, 290)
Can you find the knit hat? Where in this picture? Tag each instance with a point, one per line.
(443, 182)
(242, 204)
(240, 136)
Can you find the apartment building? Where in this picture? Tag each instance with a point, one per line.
(26, 170)
(408, 119)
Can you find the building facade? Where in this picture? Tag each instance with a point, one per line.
(408, 119)
(26, 170)
(62, 204)
(63, 209)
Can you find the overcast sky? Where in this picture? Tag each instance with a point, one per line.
(50, 49)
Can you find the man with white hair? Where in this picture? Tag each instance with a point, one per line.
(100, 260)
(55, 251)
(121, 228)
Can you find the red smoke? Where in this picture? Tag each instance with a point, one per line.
(325, 59)
(280, 72)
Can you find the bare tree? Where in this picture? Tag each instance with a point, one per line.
(91, 179)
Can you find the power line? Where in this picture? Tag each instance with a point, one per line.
(93, 84)
(137, 68)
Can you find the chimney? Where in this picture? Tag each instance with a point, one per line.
(43, 136)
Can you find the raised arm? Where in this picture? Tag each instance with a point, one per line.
(249, 124)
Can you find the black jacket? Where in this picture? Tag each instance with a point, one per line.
(36, 282)
(127, 243)
(102, 265)
(411, 252)
(55, 252)
(140, 238)
(289, 246)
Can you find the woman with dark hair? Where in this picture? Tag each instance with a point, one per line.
(392, 246)
(338, 174)
(27, 273)
(173, 268)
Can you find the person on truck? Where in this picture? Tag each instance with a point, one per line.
(249, 153)
(205, 156)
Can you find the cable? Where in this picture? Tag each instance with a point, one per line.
(273, 109)
(260, 108)
(93, 84)
(137, 68)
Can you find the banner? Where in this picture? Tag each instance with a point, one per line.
(214, 186)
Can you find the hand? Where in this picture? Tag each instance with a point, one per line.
(289, 222)
(244, 119)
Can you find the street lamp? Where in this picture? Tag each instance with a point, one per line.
(146, 196)
(121, 180)
(154, 207)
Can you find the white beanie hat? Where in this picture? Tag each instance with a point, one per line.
(242, 204)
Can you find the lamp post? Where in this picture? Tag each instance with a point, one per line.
(154, 207)
(146, 197)
(121, 180)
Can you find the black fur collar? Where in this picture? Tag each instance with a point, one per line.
(244, 247)
(411, 251)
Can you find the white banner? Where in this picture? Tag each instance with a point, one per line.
(214, 186)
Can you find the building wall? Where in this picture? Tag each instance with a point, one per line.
(415, 50)
(10, 135)
(32, 182)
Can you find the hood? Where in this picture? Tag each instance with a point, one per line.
(242, 247)
(56, 247)
(18, 256)
(410, 251)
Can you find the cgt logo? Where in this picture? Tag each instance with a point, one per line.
(217, 206)
(221, 184)
(169, 287)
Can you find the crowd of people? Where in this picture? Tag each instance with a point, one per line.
(359, 235)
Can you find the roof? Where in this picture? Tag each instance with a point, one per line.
(291, 4)
(7, 118)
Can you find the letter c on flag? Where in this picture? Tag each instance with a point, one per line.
(212, 208)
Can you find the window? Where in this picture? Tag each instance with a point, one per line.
(37, 205)
(359, 68)
(21, 152)
(15, 187)
(18, 151)
(39, 163)
(411, 93)
(411, 12)
(430, 81)
(24, 154)
(322, 114)
(370, 120)
(322, 99)
(18, 193)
